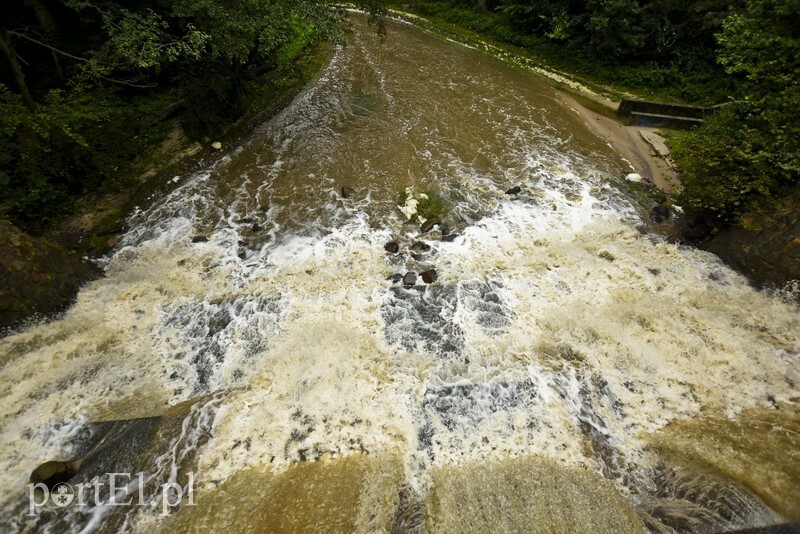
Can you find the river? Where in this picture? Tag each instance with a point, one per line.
(568, 370)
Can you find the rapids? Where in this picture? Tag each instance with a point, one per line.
(568, 371)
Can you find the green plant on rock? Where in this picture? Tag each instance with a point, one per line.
(420, 207)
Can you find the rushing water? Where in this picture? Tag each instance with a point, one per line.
(531, 387)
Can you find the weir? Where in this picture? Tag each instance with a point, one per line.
(567, 369)
(663, 115)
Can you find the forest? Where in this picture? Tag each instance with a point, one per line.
(85, 84)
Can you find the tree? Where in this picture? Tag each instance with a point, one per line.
(744, 158)
(78, 78)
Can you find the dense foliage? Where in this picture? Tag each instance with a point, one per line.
(84, 84)
(748, 156)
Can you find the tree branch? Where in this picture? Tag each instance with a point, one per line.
(40, 43)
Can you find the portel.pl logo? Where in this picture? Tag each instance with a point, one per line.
(123, 490)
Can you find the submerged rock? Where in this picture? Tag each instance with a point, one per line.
(257, 227)
(448, 238)
(409, 279)
(199, 239)
(348, 192)
(395, 278)
(514, 190)
(419, 246)
(392, 247)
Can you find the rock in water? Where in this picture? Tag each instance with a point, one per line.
(428, 225)
(348, 192)
(396, 278)
(429, 276)
(698, 231)
(633, 177)
(409, 279)
(419, 246)
(53, 473)
(659, 213)
(257, 227)
(514, 190)
(199, 239)
(392, 247)
(448, 238)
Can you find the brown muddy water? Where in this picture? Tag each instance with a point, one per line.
(565, 373)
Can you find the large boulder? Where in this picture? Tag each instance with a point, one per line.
(36, 277)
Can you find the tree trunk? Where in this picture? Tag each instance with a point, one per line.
(19, 77)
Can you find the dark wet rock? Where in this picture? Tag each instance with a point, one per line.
(395, 278)
(418, 257)
(675, 239)
(392, 247)
(257, 227)
(53, 473)
(243, 255)
(246, 220)
(419, 246)
(125, 446)
(606, 255)
(348, 192)
(36, 277)
(769, 256)
(698, 231)
(448, 238)
(264, 208)
(199, 239)
(470, 217)
(444, 228)
(659, 213)
(514, 190)
(427, 226)
(409, 279)
(429, 276)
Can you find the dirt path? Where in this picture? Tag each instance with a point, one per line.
(642, 147)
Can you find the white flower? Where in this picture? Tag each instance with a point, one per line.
(410, 207)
